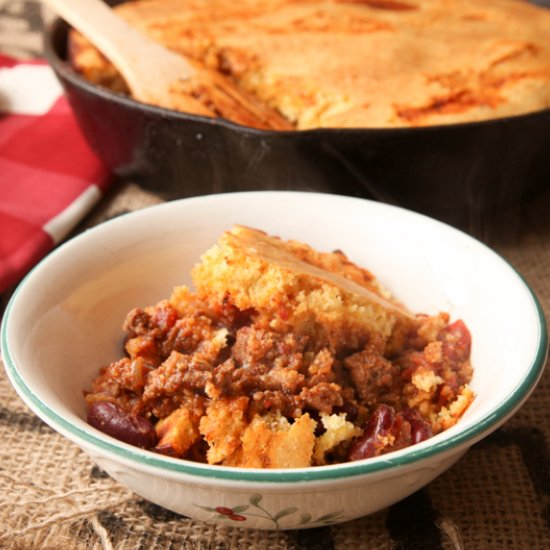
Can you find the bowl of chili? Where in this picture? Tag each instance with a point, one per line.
(64, 319)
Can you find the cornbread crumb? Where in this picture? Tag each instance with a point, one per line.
(426, 380)
(450, 415)
(275, 443)
(177, 432)
(337, 430)
(222, 427)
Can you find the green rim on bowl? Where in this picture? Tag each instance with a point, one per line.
(407, 456)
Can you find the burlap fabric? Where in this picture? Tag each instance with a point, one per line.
(497, 496)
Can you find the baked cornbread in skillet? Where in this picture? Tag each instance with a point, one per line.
(357, 63)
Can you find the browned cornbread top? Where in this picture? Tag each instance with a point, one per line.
(361, 63)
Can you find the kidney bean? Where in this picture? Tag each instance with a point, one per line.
(420, 429)
(420, 432)
(368, 444)
(114, 421)
(384, 422)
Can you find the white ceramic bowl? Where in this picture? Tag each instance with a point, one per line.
(64, 322)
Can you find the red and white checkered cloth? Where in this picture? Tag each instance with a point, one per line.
(49, 177)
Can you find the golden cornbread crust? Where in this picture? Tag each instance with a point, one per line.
(358, 63)
(321, 295)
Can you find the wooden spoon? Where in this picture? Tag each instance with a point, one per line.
(158, 76)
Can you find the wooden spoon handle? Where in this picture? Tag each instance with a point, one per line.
(158, 76)
(144, 64)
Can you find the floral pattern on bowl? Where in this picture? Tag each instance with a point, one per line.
(254, 509)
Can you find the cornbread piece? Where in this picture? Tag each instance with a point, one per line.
(337, 431)
(93, 65)
(358, 63)
(177, 432)
(272, 442)
(222, 427)
(251, 270)
(449, 416)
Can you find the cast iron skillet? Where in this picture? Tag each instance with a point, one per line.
(469, 175)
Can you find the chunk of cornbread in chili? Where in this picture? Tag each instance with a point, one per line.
(288, 284)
